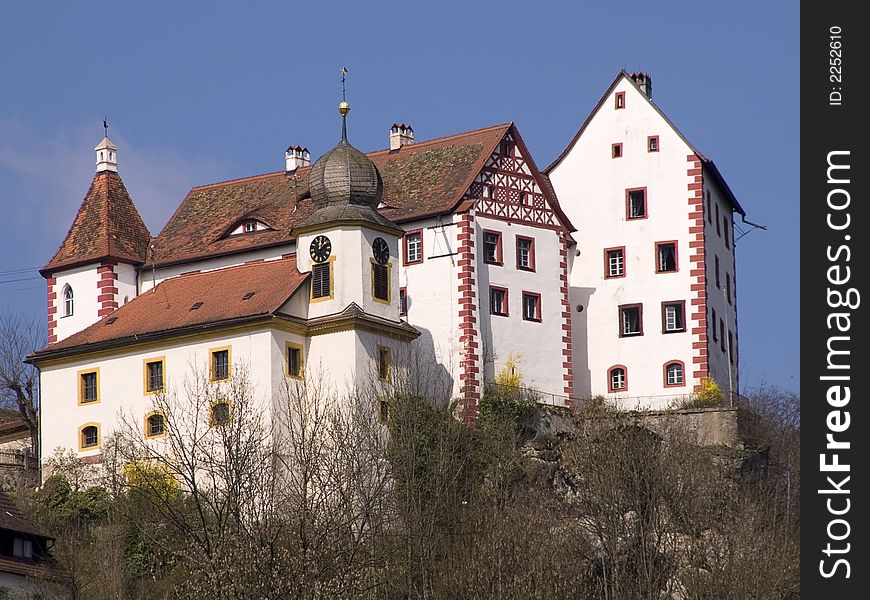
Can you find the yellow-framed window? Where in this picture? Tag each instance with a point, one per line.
(220, 366)
(154, 375)
(219, 413)
(88, 381)
(381, 275)
(155, 424)
(89, 436)
(294, 359)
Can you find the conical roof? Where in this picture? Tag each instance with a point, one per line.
(107, 226)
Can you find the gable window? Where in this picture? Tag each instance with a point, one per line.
(403, 302)
(154, 375)
(89, 386)
(620, 100)
(249, 226)
(219, 414)
(380, 281)
(616, 151)
(155, 425)
(321, 280)
(728, 287)
(525, 253)
(492, 247)
(614, 262)
(617, 379)
(713, 321)
(673, 316)
(294, 360)
(89, 436)
(220, 364)
(674, 376)
(531, 306)
(652, 143)
(68, 301)
(414, 247)
(385, 363)
(630, 320)
(635, 203)
(498, 301)
(666, 257)
(716, 268)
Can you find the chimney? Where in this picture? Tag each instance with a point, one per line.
(400, 135)
(295, 157)
(644, 82)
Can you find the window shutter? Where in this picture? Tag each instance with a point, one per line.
(380, 276)
(320, 284)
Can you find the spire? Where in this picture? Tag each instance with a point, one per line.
(343, 106)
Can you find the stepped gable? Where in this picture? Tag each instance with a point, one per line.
(171, 306)
(107, 226)
(423, 179)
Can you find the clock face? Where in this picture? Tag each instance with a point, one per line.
(381, 251)
(320, 248)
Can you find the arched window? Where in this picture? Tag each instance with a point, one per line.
(674, 374)
(155, 424)
(617, 379)
(89, 436)
(68, 301)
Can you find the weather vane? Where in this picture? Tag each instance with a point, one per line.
(343, 73)
(105, 127)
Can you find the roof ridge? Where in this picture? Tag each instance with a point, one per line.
(206, 186)
(506, 125)
(253, 263)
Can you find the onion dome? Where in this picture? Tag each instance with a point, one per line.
(344, 175)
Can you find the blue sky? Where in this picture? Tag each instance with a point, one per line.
(201, 92)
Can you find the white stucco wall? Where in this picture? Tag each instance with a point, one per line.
(591, 186)
(83, 281)
(122, 385)
(537, 346)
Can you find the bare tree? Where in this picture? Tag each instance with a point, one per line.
(19, 381)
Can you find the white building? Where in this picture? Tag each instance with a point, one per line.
(454, 251)
(654, 270)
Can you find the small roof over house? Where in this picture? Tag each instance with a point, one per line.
(107, 226)
(12, 519)
(707, 163)
(420, 180)
(188, 303)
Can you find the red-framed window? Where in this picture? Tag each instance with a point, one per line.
(630, 320)
(709, 209)
(413, 247)
(713, 321)
(531, 306)
(614, 262)
(674, 316)
(667, 259)
(652, 143)
(525, 253)
(636, 204)
(403, 301)
(492, 253)
(616, 150)
(617, 379)
(619, 101)
(674, 373)
(498, 301)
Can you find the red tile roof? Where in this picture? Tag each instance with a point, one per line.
(422, 179)
(169, 307)
(13, 519)
(107, 226)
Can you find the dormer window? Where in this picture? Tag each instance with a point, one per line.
(249, 226)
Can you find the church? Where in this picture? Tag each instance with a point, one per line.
(610, 273)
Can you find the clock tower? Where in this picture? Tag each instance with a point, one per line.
(351, 250)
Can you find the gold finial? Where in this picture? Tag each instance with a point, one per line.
(343, 108)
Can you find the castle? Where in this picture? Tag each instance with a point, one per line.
(611, 272)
